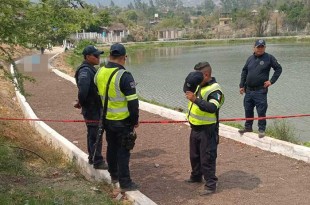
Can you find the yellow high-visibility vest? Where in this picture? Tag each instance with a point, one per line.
(198, 117)
(117, 108)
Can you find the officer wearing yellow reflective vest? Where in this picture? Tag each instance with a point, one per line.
(205, 99)
(122, 114)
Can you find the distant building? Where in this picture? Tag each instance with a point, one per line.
(170, 34)
(225, 19)
(115, 32)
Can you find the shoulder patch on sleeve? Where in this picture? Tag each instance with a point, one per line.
(132, 84)
(218, 96)
(83, 74)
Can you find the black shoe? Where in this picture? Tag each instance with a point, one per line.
(190, 180)
(132, 187)
(207, 192)
(242, 131)
(114, 180)
(90, 161)
(101, 165)
(261, 134)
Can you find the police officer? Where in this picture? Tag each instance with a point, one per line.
(204, 104)
(89, 100)
(122, 114)
(255, 83)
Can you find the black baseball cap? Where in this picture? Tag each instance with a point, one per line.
(260, 42)
(117, 49)
(192, 81)
(91, 50)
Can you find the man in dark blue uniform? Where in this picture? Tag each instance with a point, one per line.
(255, 83)
(89, 101)
(122, 114)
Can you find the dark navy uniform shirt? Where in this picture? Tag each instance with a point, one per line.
(88, 94)
(256, 70)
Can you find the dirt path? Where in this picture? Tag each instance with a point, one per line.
(247, 175)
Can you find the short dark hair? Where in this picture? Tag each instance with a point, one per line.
(201, 65)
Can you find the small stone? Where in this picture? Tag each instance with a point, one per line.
(156, 165)
(75, 142)
(119, 197)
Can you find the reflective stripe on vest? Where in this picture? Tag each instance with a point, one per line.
(117, 108)
(198, 117)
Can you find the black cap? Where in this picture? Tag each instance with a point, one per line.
(91, 50)
(192, 81)
(117, 49)
(260, 42)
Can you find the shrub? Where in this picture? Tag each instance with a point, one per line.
(282, 130)
(81, 45)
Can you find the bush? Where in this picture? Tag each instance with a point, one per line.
(81, 45)
(282, 130)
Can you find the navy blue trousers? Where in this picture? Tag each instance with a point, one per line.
(258, 99)
(118, 156)
(92, 132)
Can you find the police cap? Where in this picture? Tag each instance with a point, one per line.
(117, 49)
(260, 42)
(192, 81)
(91, 50)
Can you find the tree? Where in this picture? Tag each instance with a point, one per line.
(261, 20)
(297, 14)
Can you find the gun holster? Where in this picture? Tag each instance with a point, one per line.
(128, 141)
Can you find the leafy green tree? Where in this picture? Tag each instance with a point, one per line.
(102, 18)
(241, 19)
(174, 22)
(50, 21)
(297, 14)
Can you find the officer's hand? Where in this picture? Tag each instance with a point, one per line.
(190, 96)
(77, 105)
(137, 125)
(267, 84)
(241, 91)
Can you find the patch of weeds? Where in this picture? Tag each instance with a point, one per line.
(282, 130)
(307, 144)
(10, 159)
(233, 124)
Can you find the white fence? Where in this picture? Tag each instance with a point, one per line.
(98, 37)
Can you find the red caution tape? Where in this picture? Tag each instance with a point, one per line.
(159, 121)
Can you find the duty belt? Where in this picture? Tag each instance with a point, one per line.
(254, 88)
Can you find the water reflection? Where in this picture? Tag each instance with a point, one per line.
(150, 55)
(160, 74)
